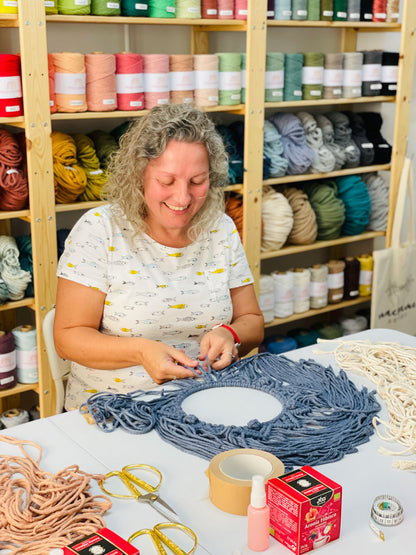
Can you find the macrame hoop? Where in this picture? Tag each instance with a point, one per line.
(324, 416)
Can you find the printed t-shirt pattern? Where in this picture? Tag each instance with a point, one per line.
(173, 295)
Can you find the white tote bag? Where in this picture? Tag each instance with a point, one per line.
(393, 303)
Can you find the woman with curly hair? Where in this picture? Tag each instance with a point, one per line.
(156, 281)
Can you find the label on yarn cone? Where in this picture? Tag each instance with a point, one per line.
(366, 277)
(230, 477)
(70, 83)
(371, 72)
(141, 6)
(318, 288)
(302, 13)
(181, 80)
(109, 101)
(229, 80)
(266, 301)
(162, 101)
(81, 2)
(392, 87)
(327, 13)
(226, 12)
(7, 379)
(10, 87)
(113, 5)
(367, 145)
(354, 16)
(375, 86)
(333, 77)
(206, 79)
(156, 82)
(301, 292)
(274, 79)
(313, 75)
(7, 361)
(129, 83)
(10, 3)
(15, 108)
(341, 14)
(336, 281)
(287, 13)
(242, 12)
(380, 15)
(49, 4)
(170, 9)
(389, 74)
(352, 77)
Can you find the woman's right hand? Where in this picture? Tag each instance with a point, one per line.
(164, 363)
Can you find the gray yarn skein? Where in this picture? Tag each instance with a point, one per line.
(273, 148)
(296, 151)
(328, 137)
(15, 278)
(324, 161)
(342, 136)
(360, 138)
(378, 189)
(354, 10)
(324, 415)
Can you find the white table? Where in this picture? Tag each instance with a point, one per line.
(67, 439)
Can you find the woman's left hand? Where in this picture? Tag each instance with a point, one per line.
(218, 349)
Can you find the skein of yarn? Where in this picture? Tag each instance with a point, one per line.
(273, 148)
(378, 189)
(26, 353)
(296, 151)
(329, 209)
(266, 297)
(324, 160)
(301, 284)
(70, 82)
(353, 193)
(351, 277)
(283, 294)
(156, 80)
(366, 274)
(333, 75)
(129, 81)
(8, 371)
(206, 79)
(335, 281)
(304, 229)
(329, 141)
(277, 216)
(181, 78)
(318, 286)
(11, 96)
(15, 279)
(101, 88)
(342, 136)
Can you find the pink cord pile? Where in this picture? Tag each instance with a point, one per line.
(40, 510)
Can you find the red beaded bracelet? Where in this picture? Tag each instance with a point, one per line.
(230, 329)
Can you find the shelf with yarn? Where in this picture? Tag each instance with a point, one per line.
(367, 26)
(318, 311)
(59, 116)
(329, 102)
(297, 249)
(18, 389)
(209, 24)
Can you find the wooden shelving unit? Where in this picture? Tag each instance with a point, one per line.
(38, 123)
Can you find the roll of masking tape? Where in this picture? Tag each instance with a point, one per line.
(230, 475)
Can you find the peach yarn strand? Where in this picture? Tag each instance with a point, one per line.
(41, 510)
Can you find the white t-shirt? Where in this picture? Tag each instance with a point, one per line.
(173, 295)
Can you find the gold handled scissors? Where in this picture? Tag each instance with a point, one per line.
(133, 482)
(160, 539)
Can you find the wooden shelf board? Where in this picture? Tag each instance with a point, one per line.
(18, 121)
(329, 102)
(296, 249)
(8, 215)
(356, 25)
(287, 179)
(237, 109)
(19, 388)
(318, 311)
(9, 20)
(210, 24)
(11, 305)
(78, 205)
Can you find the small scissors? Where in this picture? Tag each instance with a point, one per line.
(130, 480)
(159, 538)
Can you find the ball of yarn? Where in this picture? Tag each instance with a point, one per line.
(324, 159)
(277, 218)
(273, 148)
(353, 193)
(329, 209)
(304, 229)
(329, 141)
(378, 189)
(296, 151)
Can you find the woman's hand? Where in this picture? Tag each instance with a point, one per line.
(164, 363)
(218, 349)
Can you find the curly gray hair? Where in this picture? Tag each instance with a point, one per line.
(145, 140)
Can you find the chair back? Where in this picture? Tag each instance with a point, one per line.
(60, 368)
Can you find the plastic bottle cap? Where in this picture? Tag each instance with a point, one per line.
(258, 492)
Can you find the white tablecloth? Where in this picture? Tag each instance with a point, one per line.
(67, 439)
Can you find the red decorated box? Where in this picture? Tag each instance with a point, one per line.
(104, 542)
(305, 509)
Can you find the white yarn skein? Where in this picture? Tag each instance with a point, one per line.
(301, 281)
(11, 273)
(14, 417)
(283, 294)
(318, 291)
(277, 215)
(353, 325)
(266, 297)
